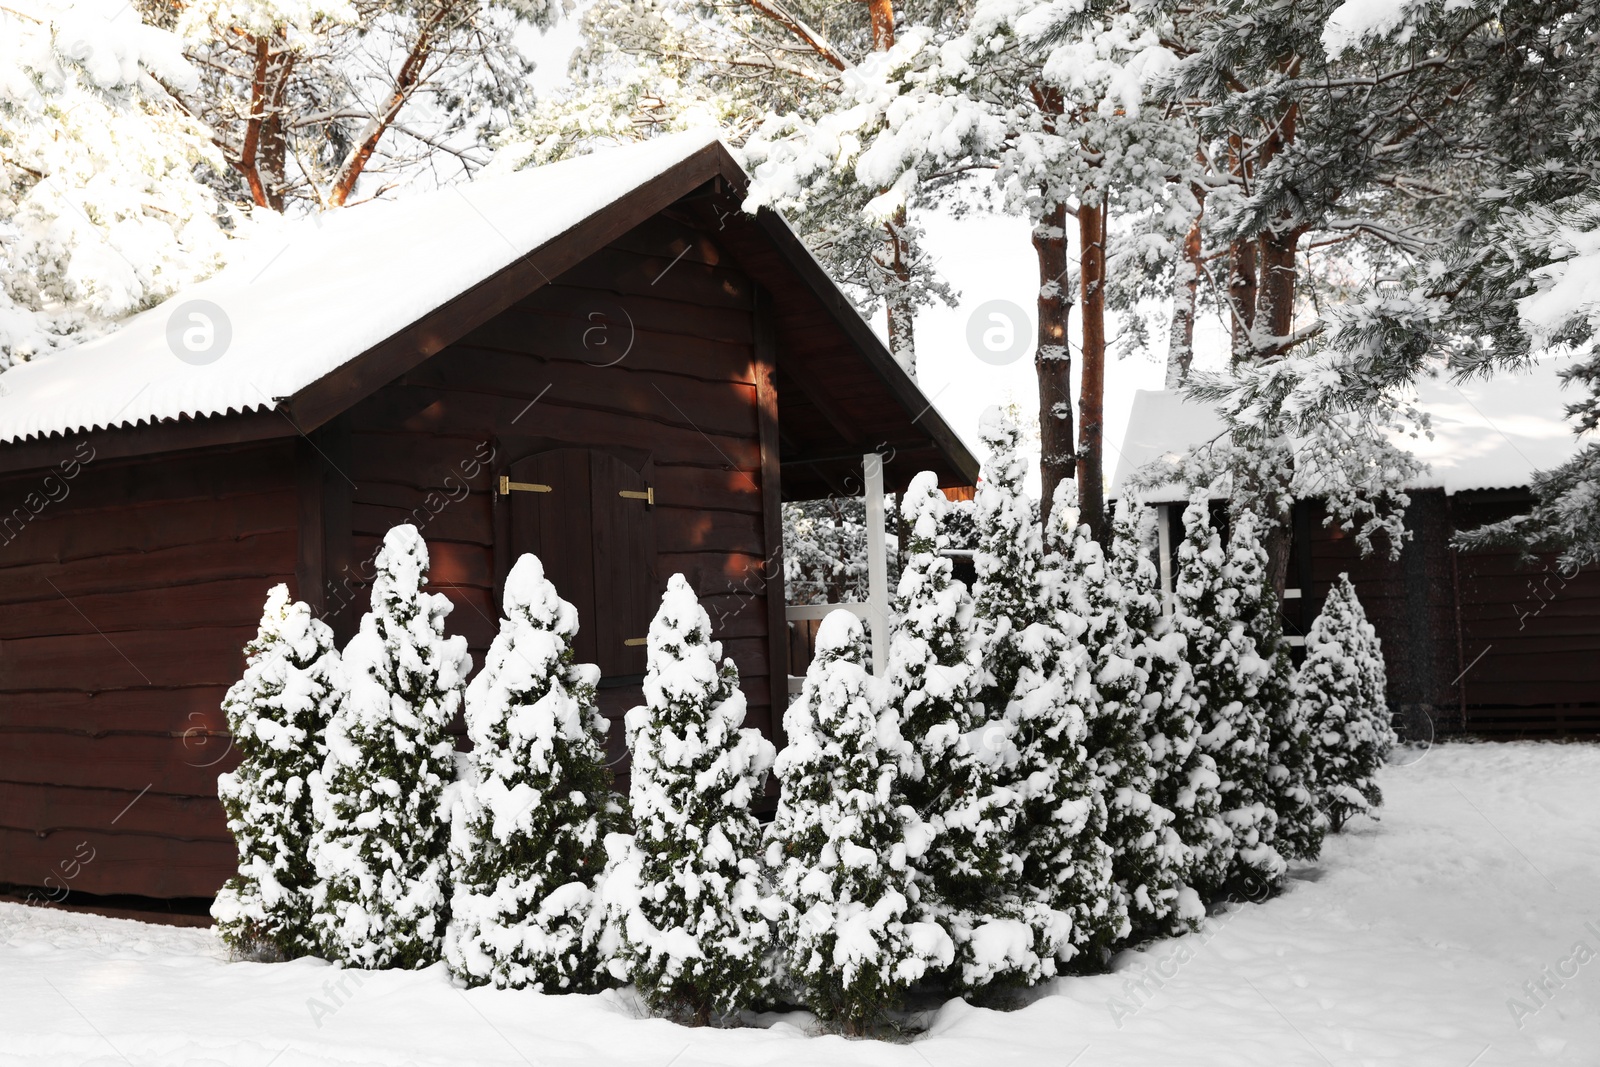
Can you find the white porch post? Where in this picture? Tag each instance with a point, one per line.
(1164, 550)
(877, 562)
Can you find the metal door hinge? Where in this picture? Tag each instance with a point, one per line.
(648, 496)
(507, 486)
(635, 642)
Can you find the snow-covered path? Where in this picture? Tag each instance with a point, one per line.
(1407, 944)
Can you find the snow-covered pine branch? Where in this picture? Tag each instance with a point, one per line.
(534, 806)
(103, 210)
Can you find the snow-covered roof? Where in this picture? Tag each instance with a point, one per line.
(330, 288)
(1487, 434)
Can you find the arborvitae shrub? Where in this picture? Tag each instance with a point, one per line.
(931, 681)
(842, 843)
(685, 892)
(1340, 691)
(1183, 779)
(277, 715)
(1226, 674)
(535, 805)
(381, 846)
(1147, 857)
(1009, 934)
(1290, 787)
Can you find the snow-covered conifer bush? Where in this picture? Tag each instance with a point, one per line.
(1007, 559)
(930, 682)
(1066, 861)
(104, 207)
(969, 876)
(381, 845)
(1340, 690)
(531, 816)
(1021, 700)
(1146, 855)
(277, 714)
(843, 843)
(686, 892)
(1183, 778)
(1227, 674)
(1290, 773)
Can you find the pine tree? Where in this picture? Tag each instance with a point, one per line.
(381, 846)
(1340, 691)
(1146, 855)
(1290, 773)
(1183, 778)
(531, 816)
(1227, 673)
(843, 844)
(686, 893)
(277, 715)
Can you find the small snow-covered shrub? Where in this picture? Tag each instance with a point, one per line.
(531, 815)
(1008, 931)
(842, 842)
(381, 846)
(277, 714)
(931, 680)
(1183, 779)
(1340, 692)
(970, 875)
(1299, 826)
(685, 892)
(1147, 857)
(1227, 673)
(1007, 560)
(1066, 863)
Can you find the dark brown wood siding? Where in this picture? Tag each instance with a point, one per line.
(645, 352)
(1480, 642)
(125, 605)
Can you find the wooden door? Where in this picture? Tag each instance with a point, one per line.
(587, 515)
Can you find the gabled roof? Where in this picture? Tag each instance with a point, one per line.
(1487, 434)
(344, 303)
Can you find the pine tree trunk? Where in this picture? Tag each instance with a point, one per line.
(1279, 278)
(1052, 358)
(1242, 293)
(881, 12)
(899, 304)
(1091, 394)
(1185, 292)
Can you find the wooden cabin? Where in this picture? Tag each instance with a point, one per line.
(1475, 643)
(603, 361)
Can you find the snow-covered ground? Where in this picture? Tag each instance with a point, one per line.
(1409, 943)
